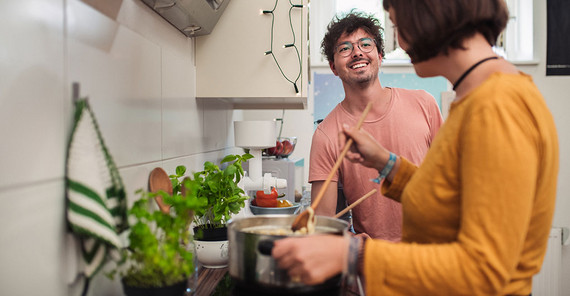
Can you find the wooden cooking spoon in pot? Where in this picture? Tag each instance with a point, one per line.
(303, 218)
(159, 180)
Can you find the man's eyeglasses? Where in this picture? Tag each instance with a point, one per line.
(345, 49)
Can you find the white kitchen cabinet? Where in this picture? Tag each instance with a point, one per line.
(231, 64)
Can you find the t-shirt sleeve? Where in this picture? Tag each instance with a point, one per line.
(322, 158)
(435, 119)
(432, 113)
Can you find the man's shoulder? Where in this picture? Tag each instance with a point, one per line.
(415, 96)
(331, 120)
(412, 93)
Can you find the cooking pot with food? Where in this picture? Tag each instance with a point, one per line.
(250, 262)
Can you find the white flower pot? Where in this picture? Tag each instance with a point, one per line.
(212, 254)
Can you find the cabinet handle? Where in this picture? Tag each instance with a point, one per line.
(160, 4)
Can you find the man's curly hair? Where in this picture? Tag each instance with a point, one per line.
(348, 24)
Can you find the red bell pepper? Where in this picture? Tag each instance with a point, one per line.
(267, 200)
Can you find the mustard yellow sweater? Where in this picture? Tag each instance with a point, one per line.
(478, 211)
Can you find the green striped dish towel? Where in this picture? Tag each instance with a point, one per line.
(96, 204)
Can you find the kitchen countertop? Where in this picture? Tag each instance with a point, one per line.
(208, 279)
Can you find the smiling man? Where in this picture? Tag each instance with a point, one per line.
(403, 121)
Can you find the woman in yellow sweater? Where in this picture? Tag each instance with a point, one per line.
(478, 211)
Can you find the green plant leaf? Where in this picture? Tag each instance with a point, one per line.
(180, 170)
(230, 170)
(229, 158)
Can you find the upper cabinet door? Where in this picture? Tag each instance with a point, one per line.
(245, 60)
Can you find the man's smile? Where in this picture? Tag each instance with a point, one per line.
(359, 65)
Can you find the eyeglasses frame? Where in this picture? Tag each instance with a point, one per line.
(352, 46)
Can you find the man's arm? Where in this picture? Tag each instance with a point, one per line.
(327, 205)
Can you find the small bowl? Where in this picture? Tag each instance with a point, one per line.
(279, 211)
(212, 254)
(284, 147)
(288, 145)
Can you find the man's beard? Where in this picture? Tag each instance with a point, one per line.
(362, 79)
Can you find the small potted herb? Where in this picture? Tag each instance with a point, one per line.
(158, 259)
(219, 187)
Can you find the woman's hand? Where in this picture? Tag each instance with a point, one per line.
(365, 150)
(313, 259)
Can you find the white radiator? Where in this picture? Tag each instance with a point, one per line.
(548, 282)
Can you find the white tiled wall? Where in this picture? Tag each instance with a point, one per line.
(139, 74)
(31, 78)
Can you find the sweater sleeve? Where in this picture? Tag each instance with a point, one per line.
(394, 189)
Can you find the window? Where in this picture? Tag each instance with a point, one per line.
(515, 44)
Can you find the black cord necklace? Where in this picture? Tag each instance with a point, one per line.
(456, 84)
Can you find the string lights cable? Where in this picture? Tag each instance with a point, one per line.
(288, 45)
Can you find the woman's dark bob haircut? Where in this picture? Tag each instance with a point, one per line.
(349, 24)
(431, 27)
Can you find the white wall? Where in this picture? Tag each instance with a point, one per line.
(556, 92)
(139, 74)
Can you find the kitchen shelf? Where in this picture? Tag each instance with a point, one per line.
(261, 102)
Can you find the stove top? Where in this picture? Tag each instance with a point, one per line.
(229, 286)
(240, 289)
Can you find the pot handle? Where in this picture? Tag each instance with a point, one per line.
(265, 247)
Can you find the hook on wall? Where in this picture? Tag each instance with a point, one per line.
(75, 91)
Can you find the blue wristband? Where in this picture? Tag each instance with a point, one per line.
(387, 169)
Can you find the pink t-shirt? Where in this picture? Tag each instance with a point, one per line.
(407, 129)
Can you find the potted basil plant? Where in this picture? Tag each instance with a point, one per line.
(219, 188)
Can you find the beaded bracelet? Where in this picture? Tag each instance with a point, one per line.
(387, 169)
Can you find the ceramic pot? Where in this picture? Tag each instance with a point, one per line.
(211, 247)
(212, 254)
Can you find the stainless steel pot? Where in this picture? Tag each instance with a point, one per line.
(250, 264)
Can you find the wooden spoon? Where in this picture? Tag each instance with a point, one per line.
(354, 204)
(302, 219)
(159, 180)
